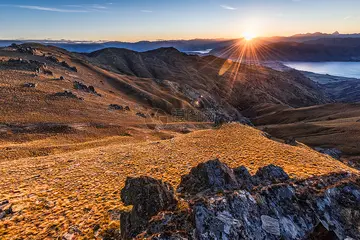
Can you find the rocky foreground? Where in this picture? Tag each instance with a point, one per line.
(216, 202)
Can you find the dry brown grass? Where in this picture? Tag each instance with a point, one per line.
(54, 193)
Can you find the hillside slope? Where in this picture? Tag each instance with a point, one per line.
(237, 84)
(324, 126)
(55, 194)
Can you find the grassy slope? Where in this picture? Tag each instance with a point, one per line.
(327, 126)
(53, 193)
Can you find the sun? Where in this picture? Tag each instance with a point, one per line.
(248, 36)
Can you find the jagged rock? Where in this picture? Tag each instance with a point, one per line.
(148, 197)
(67, 94)
(165, 224)
(30, 85)
(23, 49)
(324, 207)
(332, 152)
(140, 114)
(321, 233)
(291, 141)
(275, 213)
(212, 175)
(270, 174)
(244, 178)
(29, 65)
(5, 209)
(92, 89)
(82, 87)
(115, 107)
(270, 225)
(52, 59)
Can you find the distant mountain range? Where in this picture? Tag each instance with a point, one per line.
(142, 46)
(301, 47)
(194, 45)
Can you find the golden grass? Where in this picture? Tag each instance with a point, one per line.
(53, 193)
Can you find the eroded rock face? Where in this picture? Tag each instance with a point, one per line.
(148, 197)
(324, 207)
(212, 175)
(270, 174)
(244, 178)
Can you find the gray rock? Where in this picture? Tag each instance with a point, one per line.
(140, 114)
(270, 225)
(116, 107)
(5, 209)
(210, 176)
(30, 85)
(244, 178)
(332, 152)
(324, 207)
(148, 197)
(270, 174)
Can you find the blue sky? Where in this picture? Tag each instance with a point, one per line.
(132, 20)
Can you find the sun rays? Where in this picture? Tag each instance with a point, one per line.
(242, 56)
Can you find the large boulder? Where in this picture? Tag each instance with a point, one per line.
(209, 176)
(148, 197)
(244, 178)
(270, 174)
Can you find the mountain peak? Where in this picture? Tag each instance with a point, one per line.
(336, 33)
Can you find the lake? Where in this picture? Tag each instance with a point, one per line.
(342, 69)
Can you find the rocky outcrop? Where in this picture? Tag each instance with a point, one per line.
(269, 175)
(22, 64)
(332, 152)
(82, 87)
(140, 114)
(29, 85)
(67, 94)
(24, 49)
(212, 175)
(116, 107)
(5, 209)
(224, 203)
(148, 197)
(66, 65)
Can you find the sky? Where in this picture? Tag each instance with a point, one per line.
(134, 20)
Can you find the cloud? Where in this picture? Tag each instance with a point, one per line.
(146, 11)
(81, 8)
(227, 7)
(50, 9)
(347, 17)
